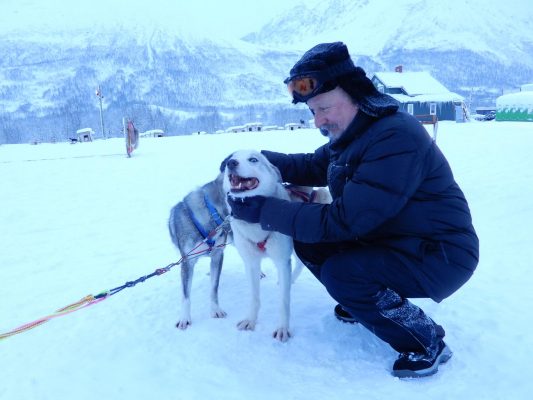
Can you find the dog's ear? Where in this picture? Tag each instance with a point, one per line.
(274, 168)
(224, 162)
(278, 174)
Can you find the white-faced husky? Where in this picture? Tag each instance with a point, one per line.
(249, 173)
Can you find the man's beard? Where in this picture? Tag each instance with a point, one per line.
(326, 131)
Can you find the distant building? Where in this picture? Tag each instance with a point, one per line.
(421, 95)
(516, 106)
(234, 129)
(249, 127)
(85, 135)
(291, 126)
(270, 128)
(253, 126)
(153, 133)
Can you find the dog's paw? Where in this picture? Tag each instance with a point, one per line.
(246, 325)
(282, 334)
(218, 313)
(183, 324)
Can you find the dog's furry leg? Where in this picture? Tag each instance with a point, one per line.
(284, 277)
(217, 258)
(298, 267)
(187, 270)
(253, 271)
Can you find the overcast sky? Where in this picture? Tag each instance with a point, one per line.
(226, 18)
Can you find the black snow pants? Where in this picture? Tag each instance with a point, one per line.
(373, 284)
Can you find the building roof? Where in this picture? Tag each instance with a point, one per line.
(516, 99)
(429, 98)
(418, 86)
(413, 83)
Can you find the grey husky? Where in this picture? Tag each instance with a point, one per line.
(190, 222)
(198, 214)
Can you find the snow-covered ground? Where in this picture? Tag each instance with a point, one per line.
(80, 219)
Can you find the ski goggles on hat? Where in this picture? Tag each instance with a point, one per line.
(304, 87)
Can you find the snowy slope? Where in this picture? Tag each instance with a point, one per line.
(373, 27)
(79, 219)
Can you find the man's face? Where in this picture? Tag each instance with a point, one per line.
(333, 112)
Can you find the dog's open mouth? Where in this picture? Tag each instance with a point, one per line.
(240, 184)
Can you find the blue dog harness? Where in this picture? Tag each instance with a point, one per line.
(214, 215)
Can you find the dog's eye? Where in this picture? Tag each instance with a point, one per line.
(253, 160)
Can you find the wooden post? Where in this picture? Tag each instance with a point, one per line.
(99, 95)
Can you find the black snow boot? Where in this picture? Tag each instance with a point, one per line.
(342, 315)
(417, 365)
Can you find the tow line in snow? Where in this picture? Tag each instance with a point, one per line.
(91, 300)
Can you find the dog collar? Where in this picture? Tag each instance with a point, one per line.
(304, 196)
(262, 245)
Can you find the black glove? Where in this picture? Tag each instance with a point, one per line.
(247, 208)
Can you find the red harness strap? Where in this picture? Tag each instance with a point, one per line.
(262, 245)
(298, 193)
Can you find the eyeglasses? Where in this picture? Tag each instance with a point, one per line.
(302, 88)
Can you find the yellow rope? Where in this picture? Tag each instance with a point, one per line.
(84, 302)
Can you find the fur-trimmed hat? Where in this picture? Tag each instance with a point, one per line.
(332, 61)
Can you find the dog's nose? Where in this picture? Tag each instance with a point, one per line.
(232, 164)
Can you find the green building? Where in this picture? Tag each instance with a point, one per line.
(516, 106)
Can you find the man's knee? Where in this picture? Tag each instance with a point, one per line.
(315, 253)
(308, 253)
(345, 275)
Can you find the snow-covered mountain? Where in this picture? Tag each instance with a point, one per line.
(374, 28)
(183, 80)
(478, 48)
(145, 71)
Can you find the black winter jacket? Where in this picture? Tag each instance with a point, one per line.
(391, 187)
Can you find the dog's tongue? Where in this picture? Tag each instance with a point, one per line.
(240, 184)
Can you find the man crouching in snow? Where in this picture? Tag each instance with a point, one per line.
(399, 225)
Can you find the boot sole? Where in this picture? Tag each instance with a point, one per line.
(346, 320)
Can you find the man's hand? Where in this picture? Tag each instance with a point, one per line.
(247, 208)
